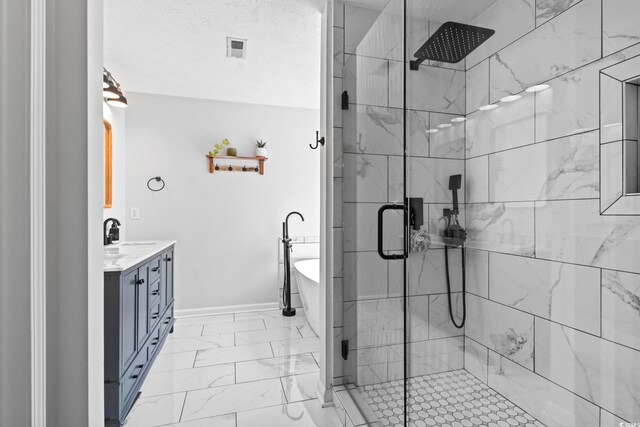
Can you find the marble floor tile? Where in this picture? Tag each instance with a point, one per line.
(287, 322)
(306, 331)
(301, 414)
(228, 420)
(303, 345)
(176, 345)
(202, 320)
(241, 353)
(300, 387)
(188, 379)
(279, 334)
(173, 361)
(253, 315)
(187, 331)
(239, 326)
(275, 367)
(233, 398)
(156, 410)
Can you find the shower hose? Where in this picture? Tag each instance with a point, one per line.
(464, 289)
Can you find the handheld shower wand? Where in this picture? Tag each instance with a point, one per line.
(287, 311)
(455, 235)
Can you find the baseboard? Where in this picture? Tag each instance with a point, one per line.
(208, 311)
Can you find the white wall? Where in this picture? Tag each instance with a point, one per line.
(116, 116)
(226, 223)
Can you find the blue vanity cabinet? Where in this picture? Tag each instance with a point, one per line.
(138, 317)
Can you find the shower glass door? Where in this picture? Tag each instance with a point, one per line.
(373, 216)
(435, 166)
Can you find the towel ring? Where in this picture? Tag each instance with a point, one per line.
(157, 179)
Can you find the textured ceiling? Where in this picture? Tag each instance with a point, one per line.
(178, 47)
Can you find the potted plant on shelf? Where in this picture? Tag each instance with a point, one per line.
(261, 149)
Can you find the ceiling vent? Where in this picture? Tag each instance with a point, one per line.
(236, 48)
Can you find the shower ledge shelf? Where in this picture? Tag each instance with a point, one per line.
(437, 243)
(215, 167)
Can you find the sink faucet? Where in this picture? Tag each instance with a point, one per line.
(114, 232)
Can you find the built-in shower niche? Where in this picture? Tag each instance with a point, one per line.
(619, 130)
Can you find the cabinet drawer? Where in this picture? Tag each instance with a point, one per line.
(133, 375)
(166, 321)
(154, 290)
(154, 268)
(154, 342)
(154, 313)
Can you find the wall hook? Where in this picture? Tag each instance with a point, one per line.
(319, 141)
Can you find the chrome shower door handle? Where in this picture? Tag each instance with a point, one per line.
(381, 212)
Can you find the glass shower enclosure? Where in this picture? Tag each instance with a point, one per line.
(487, 237)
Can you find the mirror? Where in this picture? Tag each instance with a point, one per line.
(108, 164)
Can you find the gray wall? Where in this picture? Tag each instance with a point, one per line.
(15, 374)
(74, 214)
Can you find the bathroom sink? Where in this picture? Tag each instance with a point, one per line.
(138, 243)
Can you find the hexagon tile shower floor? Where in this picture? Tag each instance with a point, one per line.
(448, 399)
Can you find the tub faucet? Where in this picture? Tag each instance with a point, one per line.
(285, 226)
(287, 310)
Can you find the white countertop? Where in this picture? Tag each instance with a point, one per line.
(124, 255)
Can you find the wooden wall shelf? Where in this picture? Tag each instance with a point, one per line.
(213, 166)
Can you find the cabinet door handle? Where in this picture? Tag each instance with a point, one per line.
(140, 282)
(168, 259)
(155, 316)
(134, 376)
(154, 293)
(154, 269)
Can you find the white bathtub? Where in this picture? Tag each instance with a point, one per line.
(307, 274)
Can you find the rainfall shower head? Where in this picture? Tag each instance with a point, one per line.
(451, 43)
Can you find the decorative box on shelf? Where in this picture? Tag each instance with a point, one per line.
(252, 167)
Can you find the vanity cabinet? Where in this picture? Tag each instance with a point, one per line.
(138, 312)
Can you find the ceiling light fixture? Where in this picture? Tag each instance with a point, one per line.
(458, 119)
(537, 88)
(488, 107)
(445, 125)
(433, 130)
(511, 98)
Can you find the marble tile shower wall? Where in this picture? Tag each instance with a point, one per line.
(369, 174)
(554, 286)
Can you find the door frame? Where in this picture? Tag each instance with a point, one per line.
(325, 385)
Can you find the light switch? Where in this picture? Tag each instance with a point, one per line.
(134, 213)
